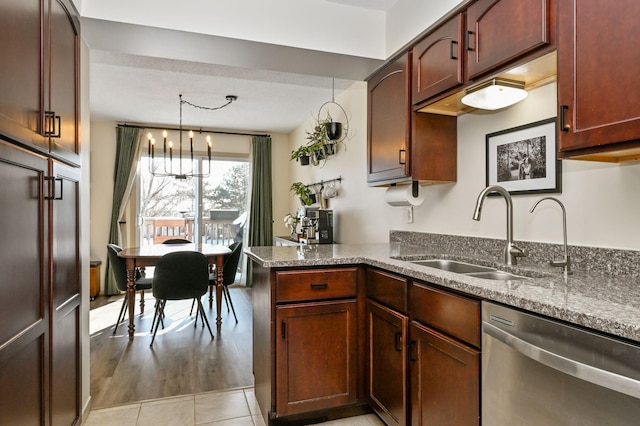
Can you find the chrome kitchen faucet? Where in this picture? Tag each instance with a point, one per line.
(566, 262)
(511, 251)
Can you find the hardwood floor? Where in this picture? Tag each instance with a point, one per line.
(183, 359)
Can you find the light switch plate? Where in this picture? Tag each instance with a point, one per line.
(410, 214)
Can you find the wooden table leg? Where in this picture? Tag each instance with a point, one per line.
(131, 297)
(219, 266)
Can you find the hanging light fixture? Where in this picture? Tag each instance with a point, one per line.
(181, 170)
(495, 94)
(334, 129)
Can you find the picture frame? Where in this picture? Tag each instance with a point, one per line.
(524, 159)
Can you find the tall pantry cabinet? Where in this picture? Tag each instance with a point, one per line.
(40, 295)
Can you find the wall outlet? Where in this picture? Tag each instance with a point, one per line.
(410, 214)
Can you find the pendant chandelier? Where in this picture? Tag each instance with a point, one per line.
(183, 168)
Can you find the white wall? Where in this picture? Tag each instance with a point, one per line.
(85, 212)
(599, 197)
(408, 18)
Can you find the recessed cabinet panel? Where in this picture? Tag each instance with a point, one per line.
(387, 363)
(21, 384)
(63, 83)
(389, 121)
(22, 230)
(66, 226)
(599, 104)
(438, 60)
(499, 31)
(316, 356)
(21, 82)
(445, 379)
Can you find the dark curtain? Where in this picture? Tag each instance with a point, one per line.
(127, 140)
(260, 208)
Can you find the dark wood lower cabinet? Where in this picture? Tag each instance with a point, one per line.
(444, 375)
(387, 363)
(39, 290)
(65, 294)
(316, 356)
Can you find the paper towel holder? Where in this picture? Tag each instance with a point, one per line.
(414, 188)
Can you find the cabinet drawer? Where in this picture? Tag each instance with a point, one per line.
(455, 315)
(388, 289)
(316, 284)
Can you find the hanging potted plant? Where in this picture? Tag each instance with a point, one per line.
(304, 193)
(302, 154)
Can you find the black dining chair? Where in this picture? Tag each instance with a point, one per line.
(179, 276)
(229, 274)
(119, 267)
(176, 241)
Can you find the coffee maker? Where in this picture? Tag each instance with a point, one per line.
(317, 225)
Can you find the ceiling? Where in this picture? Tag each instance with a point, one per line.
(138, 69)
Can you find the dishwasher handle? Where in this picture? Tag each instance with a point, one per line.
(572, 367)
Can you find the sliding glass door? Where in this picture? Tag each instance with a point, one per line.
(207, 209)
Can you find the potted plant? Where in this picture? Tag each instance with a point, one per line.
(301, 190)
(302, 154)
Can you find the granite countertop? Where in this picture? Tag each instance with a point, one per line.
(600, 302)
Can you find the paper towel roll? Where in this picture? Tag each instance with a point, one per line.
(402, 195)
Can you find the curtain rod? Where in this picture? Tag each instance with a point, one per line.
(194, 130)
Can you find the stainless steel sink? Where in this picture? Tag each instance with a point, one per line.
(453, 266)
(477, 271)
(496, 275)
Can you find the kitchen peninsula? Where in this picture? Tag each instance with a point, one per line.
(359, 276)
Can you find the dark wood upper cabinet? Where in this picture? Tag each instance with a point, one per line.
(500, 31)
(40, 79)
(389, 121)
(404, 145)
(598, 100)
(438, 60)
(21, 84)
(60, 118)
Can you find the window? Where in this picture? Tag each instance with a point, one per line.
(211, 210)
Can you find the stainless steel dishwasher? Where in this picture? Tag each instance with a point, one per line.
(536, 371)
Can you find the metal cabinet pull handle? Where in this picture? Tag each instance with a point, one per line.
(52, 188)
(51, 119)
(398, 338)
(318, 286)
(402, 156)
(283, 329)
(452, 50)
(468, 40)
(412, 348)
(564, 127)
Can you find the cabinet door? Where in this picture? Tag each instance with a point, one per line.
(21, 82)
(445, 379)
(315, 340)
(499, 31)
(389, 121)
(61, 119)
(387, 363)
(597, 74)
(65, 294)
(24, 289)
(438, 60)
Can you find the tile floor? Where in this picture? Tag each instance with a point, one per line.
(236, 407)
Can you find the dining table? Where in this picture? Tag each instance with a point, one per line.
(137, 258)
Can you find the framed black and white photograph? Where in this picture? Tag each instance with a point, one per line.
(523, 159)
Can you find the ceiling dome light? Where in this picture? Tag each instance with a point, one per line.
(495, 94)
